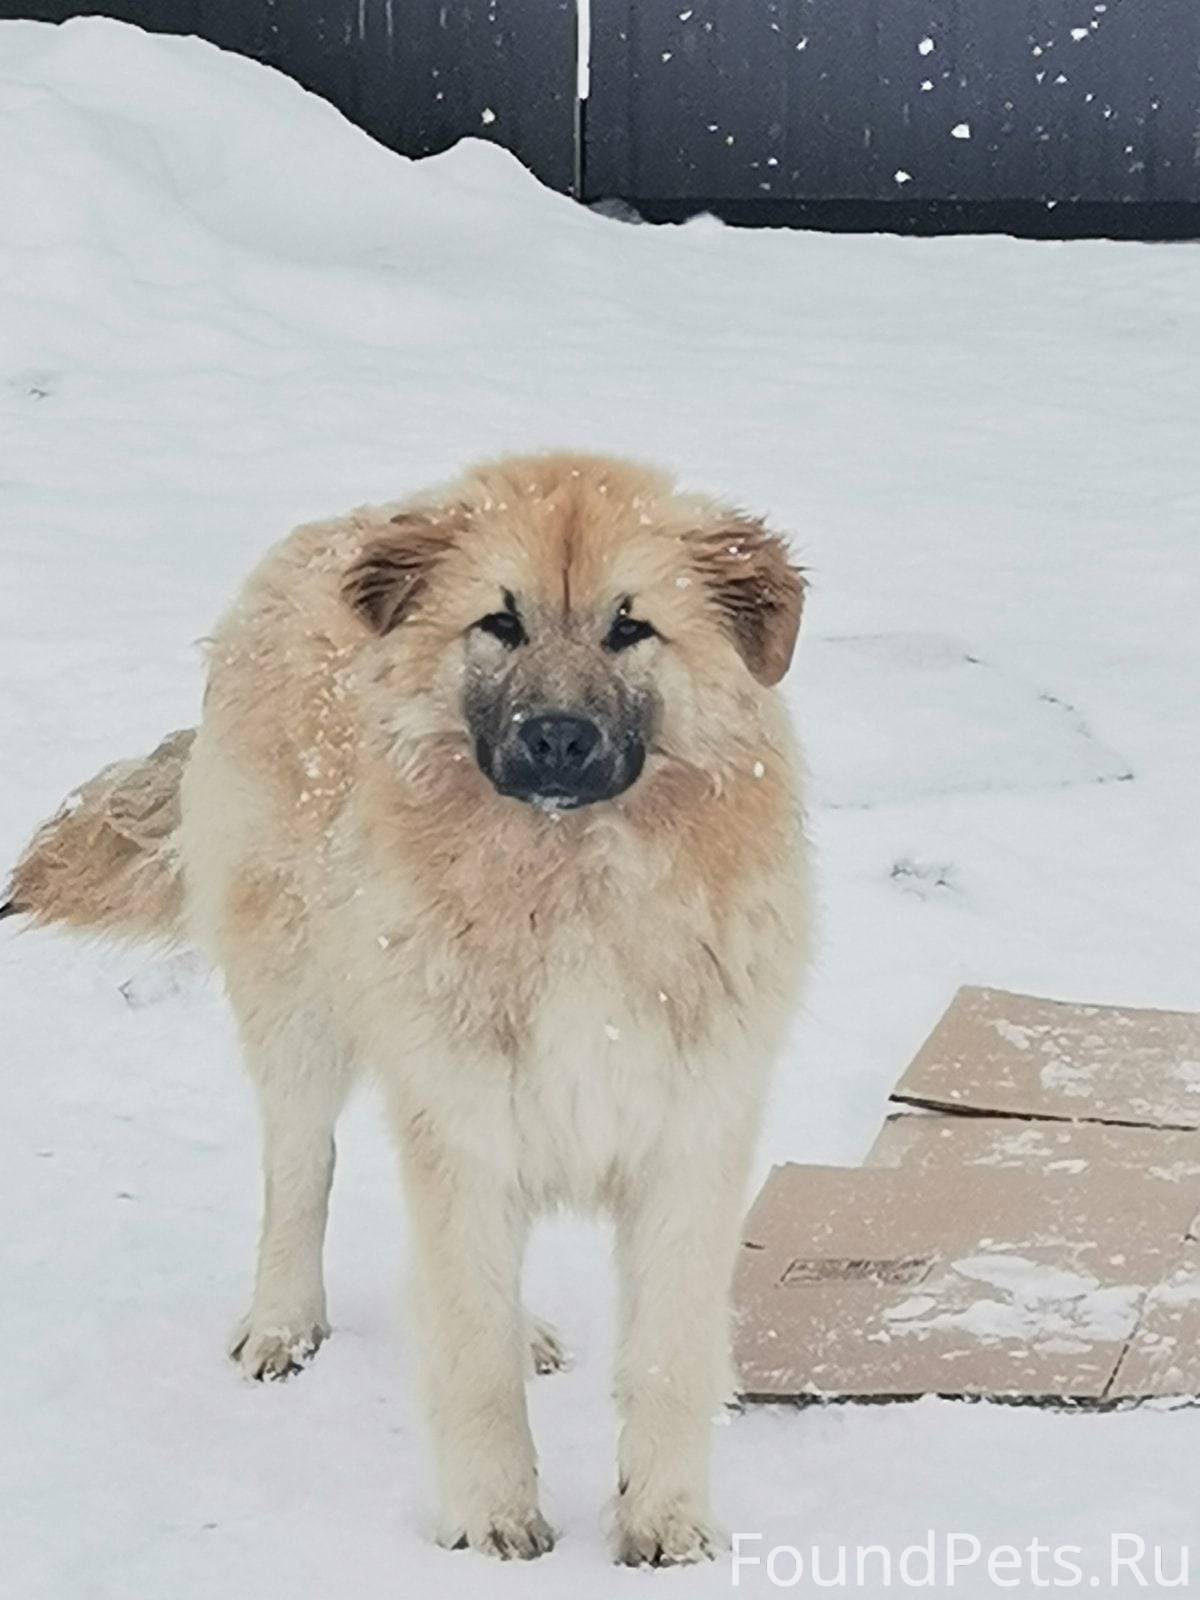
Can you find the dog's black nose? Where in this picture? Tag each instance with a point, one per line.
(560, 746)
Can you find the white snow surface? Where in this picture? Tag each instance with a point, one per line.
(224, 310)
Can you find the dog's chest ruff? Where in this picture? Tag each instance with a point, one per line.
(565, 1006)
(537, 982)
(561, 1047)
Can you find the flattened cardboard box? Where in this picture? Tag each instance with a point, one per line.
(1031, 1231)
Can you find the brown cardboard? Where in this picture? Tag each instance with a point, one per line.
(1020, 1056)
(1163, 1357)
(996, 1248)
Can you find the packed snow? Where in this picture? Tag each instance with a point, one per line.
(1045, 1306)
(224, 310)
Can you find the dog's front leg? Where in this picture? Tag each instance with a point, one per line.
(678, 1222)
(302, 1080)
(469, 1229)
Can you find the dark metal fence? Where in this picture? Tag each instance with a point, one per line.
(886, 99)
(909, 113)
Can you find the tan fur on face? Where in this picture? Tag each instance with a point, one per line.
(569, 1007)
(572, 537)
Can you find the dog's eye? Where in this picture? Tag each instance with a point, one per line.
(505, 626)
(627, 631)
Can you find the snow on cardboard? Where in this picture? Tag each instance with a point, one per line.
(1027, 1228)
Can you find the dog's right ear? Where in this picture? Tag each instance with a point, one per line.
(387, 579)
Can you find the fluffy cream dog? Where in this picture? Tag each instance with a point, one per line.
(493, 795)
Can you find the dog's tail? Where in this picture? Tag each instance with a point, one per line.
(108, 861)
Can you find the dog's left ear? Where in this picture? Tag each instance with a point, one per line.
(388, 578)
(756, 589)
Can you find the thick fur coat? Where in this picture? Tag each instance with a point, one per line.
(570, 997)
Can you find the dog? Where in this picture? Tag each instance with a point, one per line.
(493, 795)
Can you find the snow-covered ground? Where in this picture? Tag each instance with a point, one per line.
(224, 310)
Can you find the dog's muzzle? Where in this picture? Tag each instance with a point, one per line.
(561, 761)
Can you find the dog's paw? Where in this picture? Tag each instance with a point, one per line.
(271, 1352)
(671, 1537)
(547, 1353)
(508, 1536)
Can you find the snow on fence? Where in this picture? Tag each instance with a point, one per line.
(930, 109)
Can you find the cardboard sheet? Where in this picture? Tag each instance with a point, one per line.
(997, 1247)
(1163, 1357)
(1023, 1057)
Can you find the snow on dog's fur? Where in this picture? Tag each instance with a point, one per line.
(492, 794)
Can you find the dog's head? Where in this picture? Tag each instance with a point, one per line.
(574, 624)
